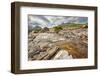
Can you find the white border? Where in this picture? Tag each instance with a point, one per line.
(25, 64)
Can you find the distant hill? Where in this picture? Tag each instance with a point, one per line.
(35, 28)
(63, 26)
(71, 25)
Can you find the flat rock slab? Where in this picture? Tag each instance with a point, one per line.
(62, 54)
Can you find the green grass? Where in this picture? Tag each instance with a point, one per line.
(72, 25)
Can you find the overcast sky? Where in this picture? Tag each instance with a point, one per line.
(50, 21)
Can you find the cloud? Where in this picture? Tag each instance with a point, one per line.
(50, 21)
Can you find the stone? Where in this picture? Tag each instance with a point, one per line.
(62, 54)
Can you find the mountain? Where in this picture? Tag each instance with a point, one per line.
(34, 28)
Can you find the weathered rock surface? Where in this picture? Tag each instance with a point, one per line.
(67, 44)
(63, 54)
